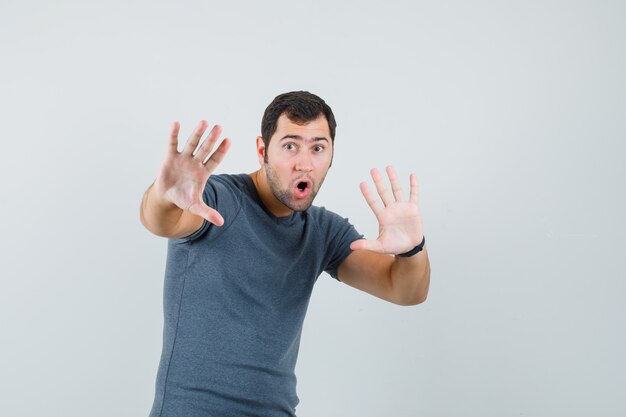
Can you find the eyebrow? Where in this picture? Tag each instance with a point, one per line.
(298, 137)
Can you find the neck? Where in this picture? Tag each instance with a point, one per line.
(270, 201)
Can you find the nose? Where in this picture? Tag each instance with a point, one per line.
(303, 163)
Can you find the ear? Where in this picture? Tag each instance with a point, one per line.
(260, 150)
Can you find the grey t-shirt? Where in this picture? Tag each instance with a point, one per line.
(235, 298)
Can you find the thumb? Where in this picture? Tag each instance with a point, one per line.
(208, 213)
(372, 245)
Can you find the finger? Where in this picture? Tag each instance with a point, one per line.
(380, 187)
(371, 199)
(207, 145)
(208, 213)
(372, 245)
(173, 142)
(194, 139)
(396, 188)
(217, 157)
(415, 190)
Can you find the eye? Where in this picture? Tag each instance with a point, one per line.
(318, 148)
(289, 146)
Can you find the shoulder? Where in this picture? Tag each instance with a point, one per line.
(228, 181)
(224, 186)
(224, 193)
(322, 216)
(328, 222)
(336, 233)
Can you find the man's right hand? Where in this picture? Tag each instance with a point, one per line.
(183, 175)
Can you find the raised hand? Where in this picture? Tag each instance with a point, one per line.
(399, 222)
(183, 175)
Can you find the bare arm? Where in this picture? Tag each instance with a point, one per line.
(372, 266)
(402, 281)
(166, 219)
(172, 206)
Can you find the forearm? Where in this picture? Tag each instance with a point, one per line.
(410, 278)
(158, 215)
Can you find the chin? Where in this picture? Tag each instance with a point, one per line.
(300, 205)
(297, 204)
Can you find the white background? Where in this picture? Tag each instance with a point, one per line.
(512, 113)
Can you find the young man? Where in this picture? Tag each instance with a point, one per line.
(244, 253)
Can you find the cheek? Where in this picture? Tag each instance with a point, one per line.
(324, 161)
(282, 171)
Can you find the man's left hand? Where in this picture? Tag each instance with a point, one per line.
(400, 222)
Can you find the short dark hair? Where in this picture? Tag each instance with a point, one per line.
(299, 107)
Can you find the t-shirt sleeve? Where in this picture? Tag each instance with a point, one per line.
(340, 234)
(219, 193)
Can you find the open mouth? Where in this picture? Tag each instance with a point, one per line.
(302, 188)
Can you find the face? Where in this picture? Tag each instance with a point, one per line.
(298, 158)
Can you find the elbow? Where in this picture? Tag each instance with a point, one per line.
(149, 227)
(416, 296)
(420, 299)
(144, 221)
(413, 287)
(413, 299)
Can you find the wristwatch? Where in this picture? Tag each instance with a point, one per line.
(415, 250)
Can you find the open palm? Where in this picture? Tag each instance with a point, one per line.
(399, 222)
(183, 175)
